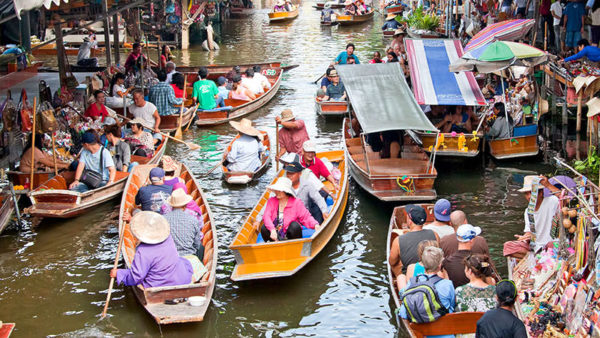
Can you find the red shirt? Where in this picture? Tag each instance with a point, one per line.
(293, 139)
(545, 7)
(178, 92)
(93, 111)
(318, 168)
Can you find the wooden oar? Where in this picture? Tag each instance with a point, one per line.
(54, 154)
(33, 145)
(215, 167)
(277, 145)
(179, 133)
(320, 77)
(192, 118)
(190, 145)
(112, 279)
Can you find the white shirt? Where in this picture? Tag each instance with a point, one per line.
(543, 221)
(146, 113)
(253, 85)
(264, 82)
(116, 89)
(557, 9)
(440, 230)
(170, 76)
(244, 154)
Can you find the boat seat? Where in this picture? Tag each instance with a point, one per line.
(452, 323)
(397, 166)
(306, 233)
(525, 130)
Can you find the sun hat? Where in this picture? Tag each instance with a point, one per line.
(245, 127)
(156, 174)
(86, 39)
(309, 146)
(327, 5)
(149, 227)
(333, 73)
(593, 107)
(527, 182)
(293, 164)
(289, 157)
(399, 31)
(467, 232)
(390, 16)
(416, 213)
(179, 198)
(441, 210)
(287, 115)
(348, 2)
(283, 184)
(168, 163)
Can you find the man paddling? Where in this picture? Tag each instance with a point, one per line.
(292, 135)
(343, 56)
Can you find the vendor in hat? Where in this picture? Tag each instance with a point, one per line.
(327, 14)
(285, 215)
(85, 51)
(246, 150)
(156, 261)
(390, 23)
(397, 43)
(280, 6)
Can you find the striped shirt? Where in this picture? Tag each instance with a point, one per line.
(185, 230)
(163, 97)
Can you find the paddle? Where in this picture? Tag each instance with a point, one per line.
(112, 279)
(320, 77)
(190, 145)
(178, 133)
(32, 145)
(215, 167)
(277, 145)
(192, 118)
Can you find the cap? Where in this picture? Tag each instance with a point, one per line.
(221, 80)
(293, 166)
(309, 146)
(156, 174)
(416, 213)
(467, 232)
(441, 210)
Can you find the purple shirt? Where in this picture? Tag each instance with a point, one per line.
(157, 265)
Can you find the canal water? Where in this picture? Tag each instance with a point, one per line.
(54, 277)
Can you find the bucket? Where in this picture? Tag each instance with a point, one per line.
(12, 66)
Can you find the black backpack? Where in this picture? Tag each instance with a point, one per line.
(421, 300)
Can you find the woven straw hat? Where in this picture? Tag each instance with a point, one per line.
(593, 107)
(390, 16)
(169, 164)
(283, 184)
(179, 198)
(245, 127)
(150, 227)
(287, 115)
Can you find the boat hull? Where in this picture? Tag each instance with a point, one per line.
(285, 258)
(331, 108)
(321, 5)
(348, 20)
(281, 17)
(6, 210)
(515, 147)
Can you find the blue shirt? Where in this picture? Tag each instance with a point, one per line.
(152, 197)
(343, 56)
(325, 82)
(574, 12)
(390, 25)
(591, 52)
(92, 161)
(445, 290)
(163, 97)
(223, 92)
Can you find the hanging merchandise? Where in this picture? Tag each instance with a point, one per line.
(45, 92)
(26, 112)
(170, 8)
(9, 113)
(46, 121)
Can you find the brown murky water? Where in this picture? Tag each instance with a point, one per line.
(54, 278)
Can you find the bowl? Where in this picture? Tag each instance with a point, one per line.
(197, 300)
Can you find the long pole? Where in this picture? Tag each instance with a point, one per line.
(178, 132)
(115, 22)
(106, 32)
(112, 279)
(277, 145)
(33, 146)
(54, 154)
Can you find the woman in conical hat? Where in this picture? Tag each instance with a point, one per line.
(245, 151)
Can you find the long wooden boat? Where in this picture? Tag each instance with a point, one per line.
(214, 71)
(241, 108)
(518, 146)
(6, 329)
(240, 12)
(169, 123)
(50, 50)
(383, 178)
(329, 23)
(152, 299)
(450, 144)
(6, 210)
(332, 108)
(392, 9)
(453, 323)
(282, 17)
(321, 5)
(53, 199)
(285, 258)
(243, 177)
(21, 178)
(347, 20)
(388, 33)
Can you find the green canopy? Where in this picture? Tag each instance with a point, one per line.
(381, 98)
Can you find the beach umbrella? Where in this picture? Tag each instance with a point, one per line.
(562, 182)
(509, 30)
(499, 55)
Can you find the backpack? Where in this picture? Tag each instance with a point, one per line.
(421, 300)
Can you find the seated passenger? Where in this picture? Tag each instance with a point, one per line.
(461, 121)
(500, 128)
(191, 208)
(42, 161)
(280, 6)
(251, 83)
(391, 23)
(98, 111)
(441, 212)
(118, 92)
(156, 261)
(140, 141)
(376, 58)
(417, 268)
(285, 215)
(169, 68)
(246, 150)
(185, 228)
(146, 113)
(94, 158)
(312, 162)
(327, 14)
(305, 190)
(501, 322)
(239, 92)
(205, 92)
(326, 81)
(171, 168)
(289, 6)
(120, 150)
(177, 83)
(387, 143)
(222, 88)
(152, 197)
(335, 91)
(163, 97)
(478, 294)
(260, 78)
(350, 8)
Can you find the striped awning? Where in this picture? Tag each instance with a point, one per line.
(509, 30)
(432, 82)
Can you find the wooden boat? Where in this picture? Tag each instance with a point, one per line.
(388, 33)
(281, 17)
(450, 144)
(169, 123)
(321, 5)
(332, 108)
(214, 71)
(329, 23)
(50, 50)
(523, 144)
(53, 199)
(453, 323)
(6, 329)
(393, 9)
(347, 20)
(6, 210)
(21, 178)
(382, 177)
(241, 108)
(152, 299)
(285, 258)
(243, 177)
(240, 12)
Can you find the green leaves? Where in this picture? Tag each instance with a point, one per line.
(419, 20)
(589, 167)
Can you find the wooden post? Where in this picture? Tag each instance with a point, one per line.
(185, 29)
(60, 53)
(33, 145)
(54, 154)
(546, 35)
(115, 21)
(25, 29)
(579, 104)
(106, 32)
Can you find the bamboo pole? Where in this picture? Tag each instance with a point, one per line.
(54, 154)
(277, 145)
(112, 279)
(32, 146)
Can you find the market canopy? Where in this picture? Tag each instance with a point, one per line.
(509, 30)
(26, 5)
(381, 98)
(432, 82)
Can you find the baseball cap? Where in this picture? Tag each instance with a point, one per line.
(88, 138)
(441, 210)
(221, 80)
(467, 232)
(156, 174)
(292, 164)
(416, 213)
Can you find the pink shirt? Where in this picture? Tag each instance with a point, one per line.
(294, 211)
(292, 139)
(318, 168)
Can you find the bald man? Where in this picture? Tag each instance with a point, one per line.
(449, 243)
